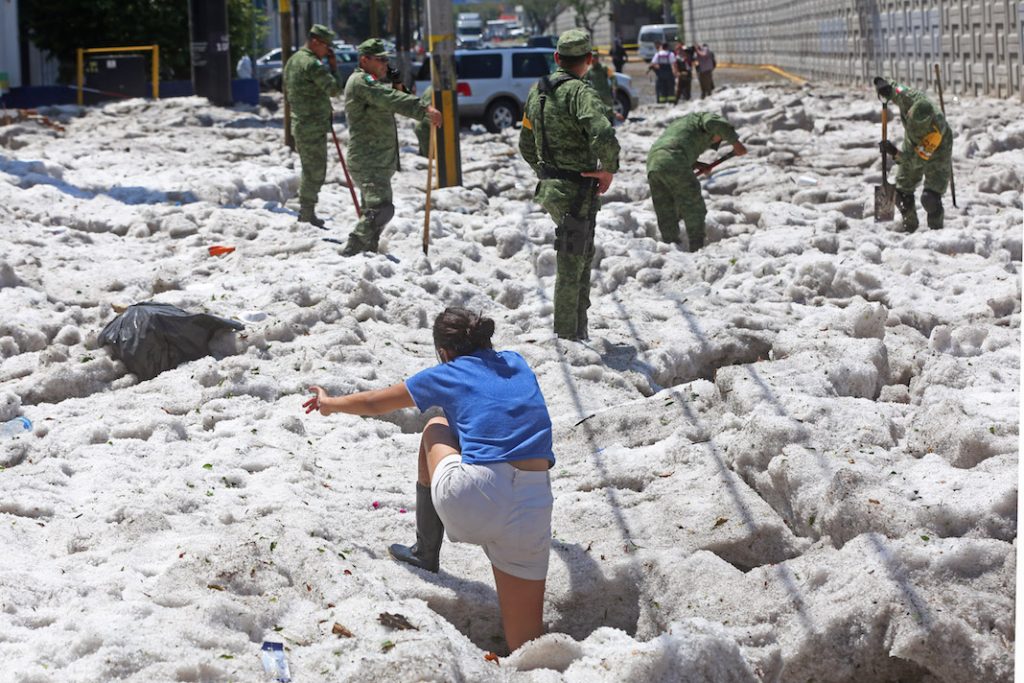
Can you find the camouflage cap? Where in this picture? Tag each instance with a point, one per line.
(573, 43)
(322, 33)
(374, 47)
(717, 125)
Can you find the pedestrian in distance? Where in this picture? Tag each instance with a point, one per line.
(684, 64)
(483, 466)
(370, 105)
(671, 166)
(619, 56)
(663, 63)
(602, 80)
(309, 87)
(705, 69)
(243, 69)
(568, 141)
(927, 153)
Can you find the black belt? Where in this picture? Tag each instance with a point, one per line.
(552, 173)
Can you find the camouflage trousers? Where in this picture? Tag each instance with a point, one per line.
(422, 130)
(574, 246)
(312, 149)
(935, 172)
(675, 192)
(375, 201)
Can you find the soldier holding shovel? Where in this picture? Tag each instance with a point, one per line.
(671, 166)
(927, 153)
(371, 106)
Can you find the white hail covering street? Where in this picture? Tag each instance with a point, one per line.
(791, 456)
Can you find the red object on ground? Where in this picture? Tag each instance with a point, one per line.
(218, 250)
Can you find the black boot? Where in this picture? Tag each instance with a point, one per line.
(907, 205)
(307, 214)
(429, 534)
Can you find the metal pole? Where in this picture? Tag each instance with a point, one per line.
(284, 8)
(374, 22)
(942, 104)
(441, 32)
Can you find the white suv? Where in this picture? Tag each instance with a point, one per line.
(493, 83)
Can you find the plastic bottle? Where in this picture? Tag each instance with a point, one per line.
(12, 428)
(274, 662)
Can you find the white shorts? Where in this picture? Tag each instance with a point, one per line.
(504, 509)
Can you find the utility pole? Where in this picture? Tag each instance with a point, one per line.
(210, 50)
(402, 10)
(284, 8)
(441, 32)
(374, 21)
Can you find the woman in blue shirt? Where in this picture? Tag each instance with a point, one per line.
(483, 467)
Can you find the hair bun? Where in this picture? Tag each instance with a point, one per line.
(481, 330)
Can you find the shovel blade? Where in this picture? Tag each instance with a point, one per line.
(885, 202)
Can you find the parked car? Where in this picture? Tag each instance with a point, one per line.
(493, 83)
(652, 35)
(268, 67)
(549, 42)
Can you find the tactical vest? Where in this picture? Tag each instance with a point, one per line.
(546, 87)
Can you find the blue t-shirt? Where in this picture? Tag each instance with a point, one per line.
(493, 404)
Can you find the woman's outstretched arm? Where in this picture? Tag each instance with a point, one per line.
(376, 402)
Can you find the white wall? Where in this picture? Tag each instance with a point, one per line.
(977, 43)
(10, 52)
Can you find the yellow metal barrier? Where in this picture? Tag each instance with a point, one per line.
(155, 49)
(767, 67)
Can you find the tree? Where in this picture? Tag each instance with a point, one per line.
(354, 20)
(58, 27)
(247, 27)
(540, 14)
(588, 12)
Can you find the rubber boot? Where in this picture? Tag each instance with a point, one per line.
(907, 205)
(307, 214)
(426, 552)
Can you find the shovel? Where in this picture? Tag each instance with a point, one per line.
(885, 195)
(432, 154)
(710, 167)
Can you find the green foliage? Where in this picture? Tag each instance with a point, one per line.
(588, 12)
(354, 19)
(541, 13)
(247, 27)
(60, 27)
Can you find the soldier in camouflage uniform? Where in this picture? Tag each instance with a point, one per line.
(370, 106)
(671, 163)
(927, 152)
(602, 80)
(567, 139)
(309, 88)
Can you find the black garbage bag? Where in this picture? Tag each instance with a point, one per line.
(150, 338)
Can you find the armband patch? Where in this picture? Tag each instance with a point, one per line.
(929, 143)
